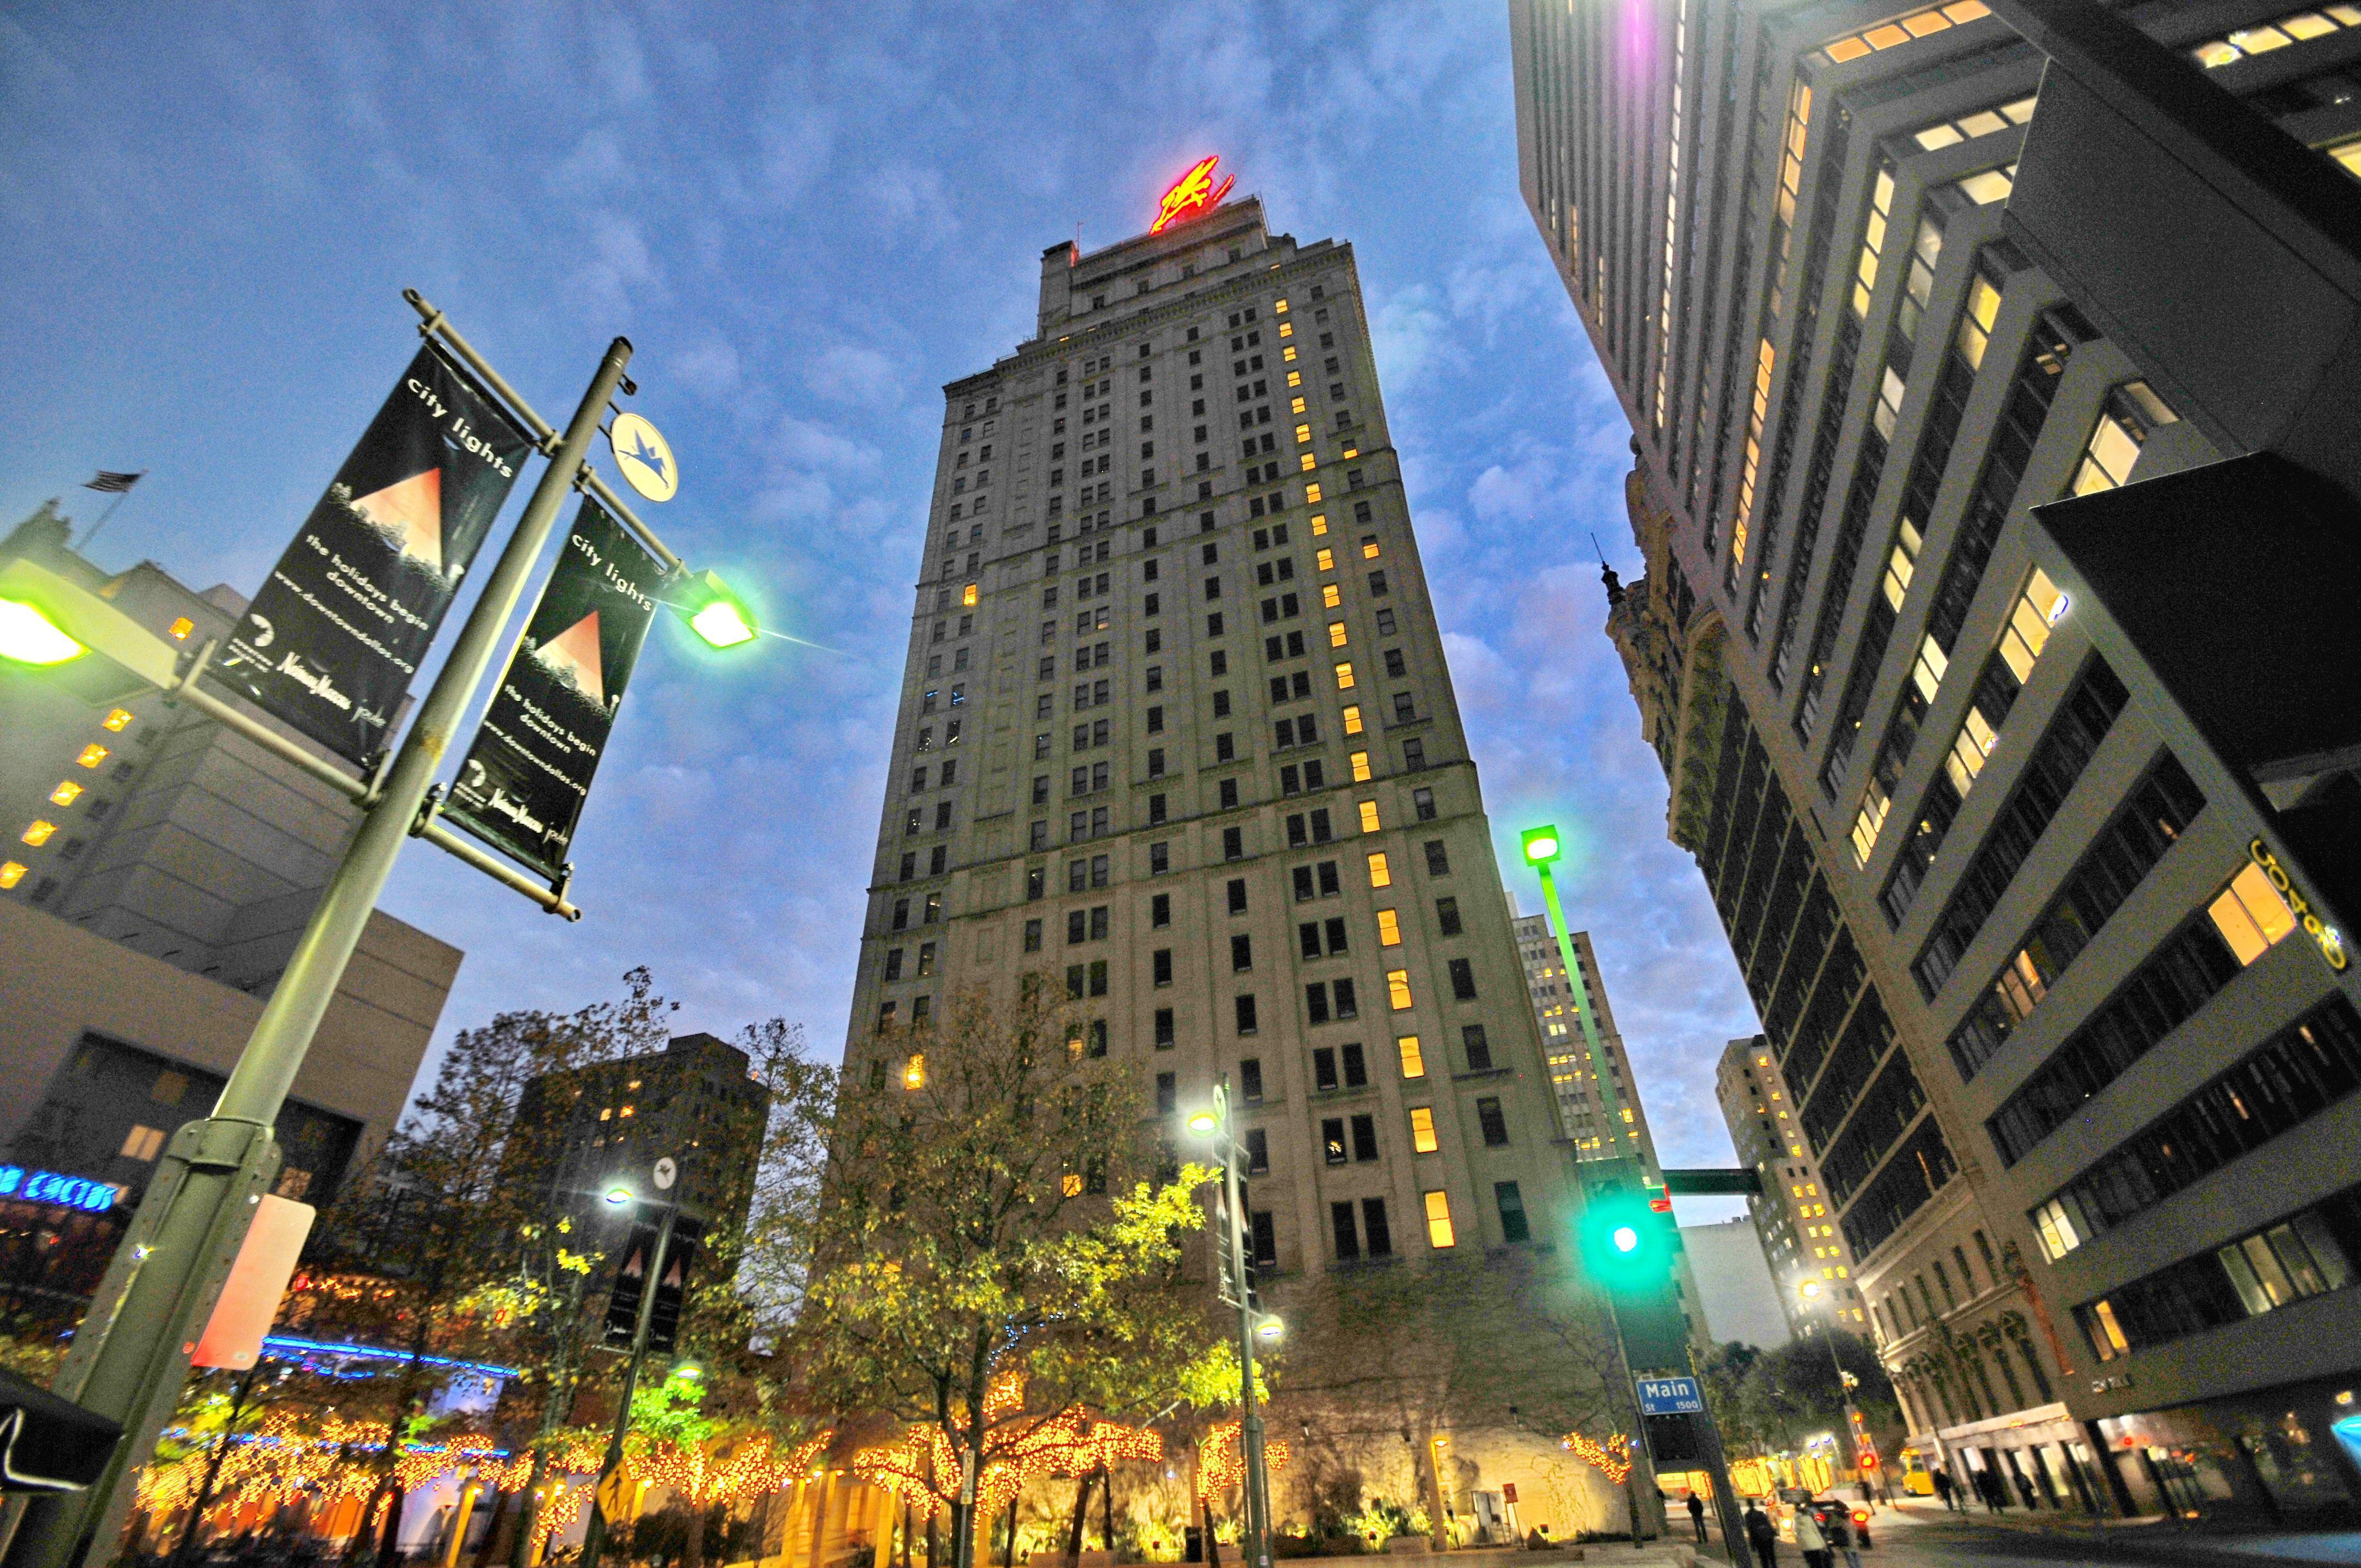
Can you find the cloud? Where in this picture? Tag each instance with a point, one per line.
(848, 373)
(709, 368)
(1411, 338)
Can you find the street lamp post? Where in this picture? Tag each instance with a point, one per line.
(1253, 1325)
(594, 1533)
(130, 1356)
(1864, 1448)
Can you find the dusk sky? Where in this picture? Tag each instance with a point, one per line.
(808, 222)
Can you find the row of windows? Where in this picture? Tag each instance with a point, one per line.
(2309, 1253)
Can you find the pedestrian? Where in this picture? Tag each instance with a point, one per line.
(1762, 1534)
(1868, 1494)
(1808, 1539)
(1697, 1516)
(1839, 1534)
(1944, 1488)
(2025, 1490)
(1995, 1499)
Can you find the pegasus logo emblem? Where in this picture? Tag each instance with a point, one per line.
(642, 452)
(1192, 196)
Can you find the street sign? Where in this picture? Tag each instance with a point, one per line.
(645, 457)
(1670, 1396)
(612, 1488)
(666, 1173)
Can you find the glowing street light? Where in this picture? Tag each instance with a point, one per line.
(714, 613)
(1540, 846)
(28, 637)
(1205, 1124)
(619, 1195)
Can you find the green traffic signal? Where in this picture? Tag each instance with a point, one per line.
(1623, 1240)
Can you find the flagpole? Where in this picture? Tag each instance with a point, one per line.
(120, 497)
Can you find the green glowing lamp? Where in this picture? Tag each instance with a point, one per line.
(28, 637)
(1541, 845)
(1623, 1241)
(1205, 1124)
(716, 614)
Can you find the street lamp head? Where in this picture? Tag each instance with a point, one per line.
(1271, 1330)
(1809, 1289)
(715, 613)
(618, 1195)
(1205, 1123)
(1541, 845)
(687, 1371)
(28, 637)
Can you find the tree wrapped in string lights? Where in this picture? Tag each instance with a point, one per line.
(924, 1468)
(1611, 1459)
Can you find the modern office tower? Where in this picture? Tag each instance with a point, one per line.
(1799, 1237)
(157, 872)
(1735, 1289)
(1561, 1027)
(1996, 483)
(1177, 731)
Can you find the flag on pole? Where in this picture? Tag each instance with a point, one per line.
(112, 483)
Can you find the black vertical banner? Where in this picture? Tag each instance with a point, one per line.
(529, 771)
(331, 641)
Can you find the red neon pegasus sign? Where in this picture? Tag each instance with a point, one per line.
(1192, 196)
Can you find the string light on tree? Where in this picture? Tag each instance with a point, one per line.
(1612, 1460)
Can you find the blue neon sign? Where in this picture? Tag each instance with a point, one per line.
(48, 1187)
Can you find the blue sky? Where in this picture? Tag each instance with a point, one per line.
(807, 221)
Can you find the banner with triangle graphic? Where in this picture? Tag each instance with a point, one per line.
(333, 638)
(527, 772)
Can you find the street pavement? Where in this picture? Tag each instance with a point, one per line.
(1922, 1535)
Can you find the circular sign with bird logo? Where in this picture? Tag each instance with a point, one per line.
(645, 457)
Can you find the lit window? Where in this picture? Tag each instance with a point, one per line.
(1421, 1130)
(967, 596)
(11, 873)
(178, 630)
(1287, 354)
(1398, 988)
(1380, 874)
(2250, 914)
(1992, 185)
(1336, 632)
(1325, 559)
(914, 1071)
(1438, 1220)
(1369, 546)
(1309, 463)
(65, 793)
(1360, 762)
(1352, 718)
(1319, 527)
(142, 1144)
(1295, 378)
(2131, 411)
(1278, 307)
(38, 833)
(1311, 492)
(1345, 677)
(2112, 1342)
(2039, 608)
(1413, 1060)
(116, 720)
(1331, 596)
(2059, 1235)
(1302, 433)
(1902, 30)
(1389, 928)
(1976, 324)
(1369, 817)
(1296, 406)
(92, 755)
(1071, 1184)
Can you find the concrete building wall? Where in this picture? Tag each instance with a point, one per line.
(1740, 1298)
(1791, 1216)
(1907, 733)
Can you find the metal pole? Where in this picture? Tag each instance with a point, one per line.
(131, 1355)
(594, 1534)
(1250, 1435)
(1602, 1073)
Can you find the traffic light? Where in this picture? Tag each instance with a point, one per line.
(1624, 1244)
(671, 1285)
(630, 1284)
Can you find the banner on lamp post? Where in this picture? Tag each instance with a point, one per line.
(331, 641)
(527, 775)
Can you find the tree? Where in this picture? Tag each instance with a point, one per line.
(998, 1247)
(1789, 1394)
(455, 1230)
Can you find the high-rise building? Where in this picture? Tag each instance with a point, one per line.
(1556, 1015)
(157, 872)
(1177, 730)
(1736, 1293)
(1996, 487)
(1799, 1237)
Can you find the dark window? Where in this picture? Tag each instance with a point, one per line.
(1234, 845)
(1161, 962)
(1479, 1049)
(1422, 801)
(1495, 1125)
(1316, 1002)
(1513, 1227)
(1250, 1079)
(1438, 860)
(1335, 928)
(1164, 1028)
(1229, 794)
(1168, 1093)
(1323, 1068)
(1463, 981)
(1160, 858)
(1347, 1005)
(1364, 1137)
(1241, 952)
(1374, 1228)
(1446, 915)
(1032, 936)
(1356, 1064)
(1265, 1234)
(1237, 890)
(1246, 1005)
(1257, 1153)
(1160, 908)
(1340, 1217)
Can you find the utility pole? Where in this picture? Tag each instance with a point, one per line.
(594, 1534)
(131, 1355)
(1253, 1323)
